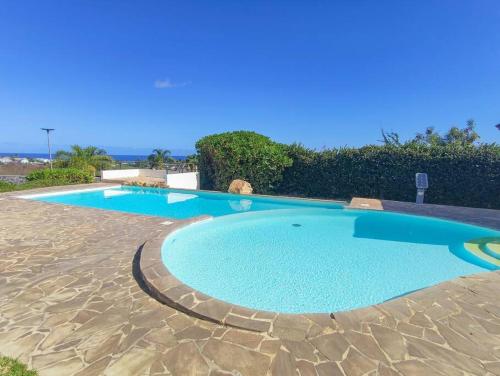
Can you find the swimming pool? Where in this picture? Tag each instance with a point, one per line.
(177, 204)
(296, 256)
(318, 260)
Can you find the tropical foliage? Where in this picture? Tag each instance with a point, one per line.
(159, 158)
(88, 158)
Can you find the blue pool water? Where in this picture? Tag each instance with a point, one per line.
(318, 260)
(178, 204)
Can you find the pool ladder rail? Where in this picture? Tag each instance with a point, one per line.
(487, 249)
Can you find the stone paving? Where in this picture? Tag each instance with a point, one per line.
(71, 303)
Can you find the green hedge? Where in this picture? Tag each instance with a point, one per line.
(458, 175)
(241, 155)
(61, 176)
(461, 176)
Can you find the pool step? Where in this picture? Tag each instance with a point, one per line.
(487, 249)
(492, 248)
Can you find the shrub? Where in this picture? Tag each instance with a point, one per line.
(61, 176)
(458, 175)
(6, 186)
(241, 155)
(12, 367)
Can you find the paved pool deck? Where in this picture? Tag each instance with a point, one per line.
(72, 302)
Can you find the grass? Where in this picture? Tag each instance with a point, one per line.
(12, 367)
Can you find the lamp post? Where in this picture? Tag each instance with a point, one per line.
(48, 130)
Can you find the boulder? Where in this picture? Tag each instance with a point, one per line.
(241, 187)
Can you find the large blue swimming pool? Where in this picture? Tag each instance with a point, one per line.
(292, 255)
(177, 204)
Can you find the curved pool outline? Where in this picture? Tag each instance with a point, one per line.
(168, 289)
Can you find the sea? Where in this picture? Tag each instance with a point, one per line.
(117, 157)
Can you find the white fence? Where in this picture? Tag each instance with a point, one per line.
(186, 180)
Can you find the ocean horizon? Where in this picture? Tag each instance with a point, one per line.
(117, 157)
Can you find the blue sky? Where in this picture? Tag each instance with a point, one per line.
(134, 75)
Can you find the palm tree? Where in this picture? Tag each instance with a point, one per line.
(158, 158)
(89, 158)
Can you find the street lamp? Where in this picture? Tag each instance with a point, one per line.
(48, 130)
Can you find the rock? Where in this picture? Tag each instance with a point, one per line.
(241, 187)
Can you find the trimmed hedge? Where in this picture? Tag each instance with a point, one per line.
(461, 176)
(241, 155)
(458, 175)
(61, 176)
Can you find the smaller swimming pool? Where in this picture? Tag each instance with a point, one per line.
(175, 203)
(317, 260)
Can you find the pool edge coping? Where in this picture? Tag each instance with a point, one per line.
(168, 289)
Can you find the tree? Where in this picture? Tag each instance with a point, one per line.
(90, 158)
(158, 158)
(430, 138)
(455, 136)
(390, 138)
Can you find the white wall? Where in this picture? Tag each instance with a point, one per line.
(119, 174)
(185, 180)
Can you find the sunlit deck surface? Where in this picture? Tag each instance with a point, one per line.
(72, 302)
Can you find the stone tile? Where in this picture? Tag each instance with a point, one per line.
(366, 345)
(464, 345)
(384, 370)
(333, 346)
(419, 319)
(162, 336)
(193, 332)
(185, 359)
(283, 364)
(410, 329)
(232, 357)
(243, 338)
(249, 324)
(442, 354)
(356, 364)
(95, 368)
(390, 341)
(329, 369)
(305, 368)
(180, 322)
(291, 327)
(133, 362)
(213, 309)
(270, 346)
(416, 367)
(493, 367)
(67, 366)
(47, 359)
(109, 346)
(301, 350)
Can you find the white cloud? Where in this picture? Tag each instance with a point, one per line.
(168, 84)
